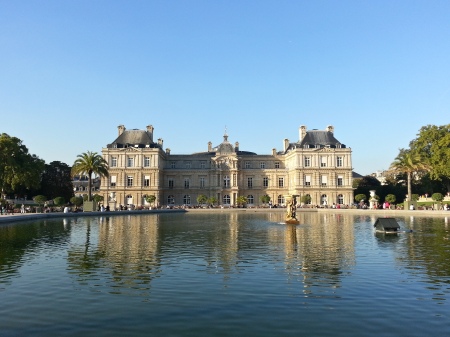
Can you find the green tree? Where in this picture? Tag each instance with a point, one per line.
(90, 163)
(241, 200)
(59, 201)
(97, 198)
(40, 199)
(306, 199)
(212, 201)
(390, 198)
(265, 199)
(57, 181)
(410, 163)
(360, 197)
(77, 201)
(433, 143)
(366, 181)
(202, 199)
(150, 199)
(19, 170)
(437, 197)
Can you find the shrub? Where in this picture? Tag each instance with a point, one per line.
(360, 197)
(437, 197)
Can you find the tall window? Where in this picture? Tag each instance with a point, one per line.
(186, 182)
(280, 182)
(249, 182)
(250, 199)
(226, 199)
(113, 161)
(262, 165)
(202, 182)
(187, 200)
(203, 164)
(323, 161)
(113, 181)
(340, 199)
(323, 180)
(226, 181)
(129, 181)
(340, 181)
(247, 164)
(307, 180)
(265, 182)
(130, 162)
(280, 200)
(188, 165)
(307, 161)
(170, 181)
(146, 181)
(323, 199)
(277, 164)
(172, 164)
(146, 161)
(339, 162)
(170, 199)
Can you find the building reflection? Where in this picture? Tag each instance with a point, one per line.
(319, 250)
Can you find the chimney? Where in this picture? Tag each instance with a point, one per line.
(121, 129)
(160, 142)
(330, 128)
(167, 151)
(150, 129)
(209, 147)
(236, 146)
(301, 132)
(274, 152)
(285, 144)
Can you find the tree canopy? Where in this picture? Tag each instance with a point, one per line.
(18, 168)
(433, 144)
(57, 181)
(89, 163)
(409, 162)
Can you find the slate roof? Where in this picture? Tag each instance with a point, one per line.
(315, 139)
(134, 138)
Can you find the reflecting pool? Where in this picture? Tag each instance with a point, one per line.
(224, 273)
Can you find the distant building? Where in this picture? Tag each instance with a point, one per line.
(380, 176)
(317, 165)
(80, 186)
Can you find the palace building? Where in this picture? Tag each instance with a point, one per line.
(317, 165)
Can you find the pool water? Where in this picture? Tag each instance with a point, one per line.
(224, 273)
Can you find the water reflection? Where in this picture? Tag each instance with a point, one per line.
(125, 254)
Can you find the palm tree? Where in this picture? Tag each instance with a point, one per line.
(89, 163)
(410, 163)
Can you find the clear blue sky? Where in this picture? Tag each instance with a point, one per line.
(72, 71)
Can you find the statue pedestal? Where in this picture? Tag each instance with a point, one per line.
(292, 221)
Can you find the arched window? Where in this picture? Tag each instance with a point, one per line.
(170, 199)
(323, 199)
(187, 200)
(226, 199)
(340, 199)
(250, 199)
(129, 199)
(280, 200)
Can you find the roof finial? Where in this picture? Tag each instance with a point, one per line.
(225, 136)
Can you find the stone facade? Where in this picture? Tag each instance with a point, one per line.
(317, 165)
